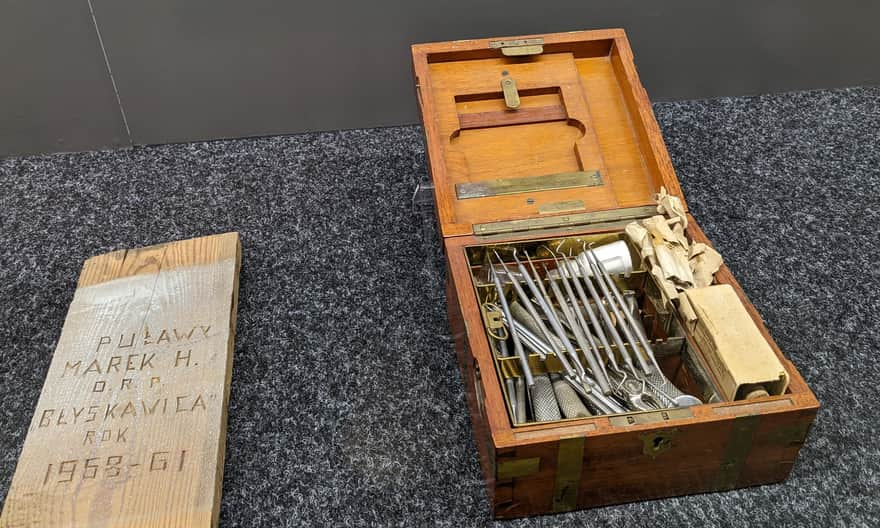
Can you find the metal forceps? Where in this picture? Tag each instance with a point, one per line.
(578, 379)
(653, 378)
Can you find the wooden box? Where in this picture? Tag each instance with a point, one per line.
(515, 129)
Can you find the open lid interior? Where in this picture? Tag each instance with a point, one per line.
(535, 127)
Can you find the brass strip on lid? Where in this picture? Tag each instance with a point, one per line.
(550, 182)
(565, 220)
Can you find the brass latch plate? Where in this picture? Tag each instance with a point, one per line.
(551, 182)
(519, 47)
(511, 95)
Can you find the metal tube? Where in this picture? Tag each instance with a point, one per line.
(588, 385)
(576, 322)
(548, 311)
(629, 309)
(597, 400)
(509, 382)
(525, 303)
(530, 339)
(568, 400)
(520, 391)
(591, 351)
(569, 268)
(570, 318)
(627, 314)
(658, 381)
(503, 346)
(612, 295)
(603, 311)
(654, 379)
(517, 346)
(544, 405)
(535, 343)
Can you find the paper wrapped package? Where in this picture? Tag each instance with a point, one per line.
(737, 353)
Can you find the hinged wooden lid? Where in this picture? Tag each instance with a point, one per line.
(538, 127)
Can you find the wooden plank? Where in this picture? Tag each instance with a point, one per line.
(511, 117)
(130, 427)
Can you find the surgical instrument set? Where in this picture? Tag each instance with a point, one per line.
(580, 345)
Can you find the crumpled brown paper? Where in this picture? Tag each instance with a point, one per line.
(671, 206)
(640, 237)
(704, 264)
(674, 262)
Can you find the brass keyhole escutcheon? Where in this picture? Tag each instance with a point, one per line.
(657, 442)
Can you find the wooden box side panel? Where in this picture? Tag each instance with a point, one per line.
(473, 387)
(616, 467)
(473, 346)
(769, 453)
(650, 462)
(646, 127)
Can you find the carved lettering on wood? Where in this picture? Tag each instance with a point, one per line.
(130, 427)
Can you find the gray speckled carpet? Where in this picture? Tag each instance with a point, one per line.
(347, 407)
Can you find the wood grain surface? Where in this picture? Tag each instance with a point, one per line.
(130, 427)
(615, 469)
(582, 108)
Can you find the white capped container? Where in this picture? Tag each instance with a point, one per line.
(614, 256)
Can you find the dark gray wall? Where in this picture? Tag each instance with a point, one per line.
(200, 69)
(55, 94)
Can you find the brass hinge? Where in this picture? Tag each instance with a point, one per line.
(612, 216)
(519, 47)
